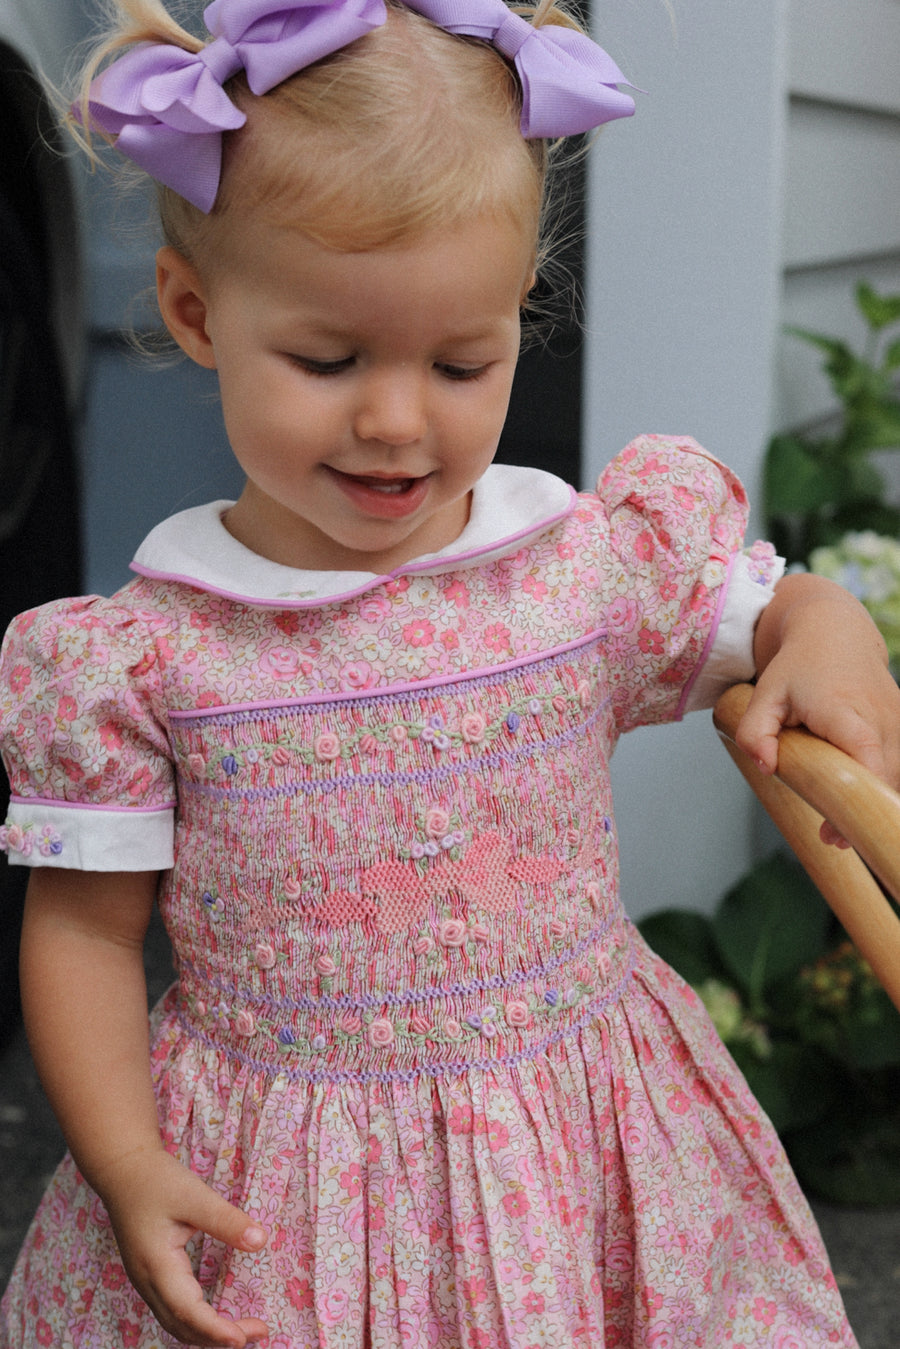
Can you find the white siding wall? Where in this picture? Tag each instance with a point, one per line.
(758, 182)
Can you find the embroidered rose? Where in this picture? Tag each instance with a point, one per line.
(292, 888)
(381, 1032)
(418, 1024)
(473, 727)
(517, 1012)
(245, 1022)
(325, 965)
(437, 822)
(351, 1024)
(282, 662)
(280, 756)
(398, 733)
(452, 932)
(264, 956)
(452, 1028)
(422, 945)
(327, 746)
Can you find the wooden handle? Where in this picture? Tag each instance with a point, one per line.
(817, 781)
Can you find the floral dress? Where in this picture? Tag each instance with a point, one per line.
(413, 1033)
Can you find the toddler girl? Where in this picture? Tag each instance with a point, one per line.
(419, 1081)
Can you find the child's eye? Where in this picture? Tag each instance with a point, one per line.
(312, 366)
(462, 372)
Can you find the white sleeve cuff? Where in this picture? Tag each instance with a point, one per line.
(41, 833)
(730, 656)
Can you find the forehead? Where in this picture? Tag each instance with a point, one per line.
(475, 272)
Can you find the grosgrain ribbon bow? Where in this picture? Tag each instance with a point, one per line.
(168, 108)
(568, 81)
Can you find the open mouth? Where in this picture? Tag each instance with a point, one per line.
(385, 497)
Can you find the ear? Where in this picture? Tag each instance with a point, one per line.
(182, 303)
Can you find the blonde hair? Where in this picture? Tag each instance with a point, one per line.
(405, 129)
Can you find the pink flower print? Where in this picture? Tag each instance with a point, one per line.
(793, 1251)
(497, 637)
(532, 1302)
(475, 1290)
(764, 1311)
(534, 586)
(67, 708)
(373, 608)
(20, 679)
(452, 932)
(437, 822)
(281, 662)
(245, 1022)
(351, 1179)
(287, 622)
(327, 746)
(685, 499)
(144, 665)
(325, 965)
(645, 546)
(357, 674)
(333, 1306)
(381, 1033)
(450, 639)
(679, 1101)
(622, 614)
(473, 727)
(300, 1293)
(419, 633)
(517, 1012)
(457, 592)
(140, 782)
(651, 641)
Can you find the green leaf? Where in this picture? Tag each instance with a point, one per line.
(771, 923)
(684, 939)
(892, 356)
(879, 311)
(798, 479)
(795, 1086)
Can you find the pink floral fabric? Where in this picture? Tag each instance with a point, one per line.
(413, 1033)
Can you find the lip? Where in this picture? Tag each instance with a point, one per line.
(383, 496)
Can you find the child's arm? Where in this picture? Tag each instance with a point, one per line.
(822, 663)
(85, 1002)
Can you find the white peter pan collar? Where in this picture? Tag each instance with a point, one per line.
(510, 506)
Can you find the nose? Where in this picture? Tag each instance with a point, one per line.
(392, 407)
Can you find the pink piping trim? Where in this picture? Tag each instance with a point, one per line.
(720, 609)
(85, 805)
(436, 564)
(359, 695)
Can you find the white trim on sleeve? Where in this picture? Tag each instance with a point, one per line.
(85, 838)
(730, 660)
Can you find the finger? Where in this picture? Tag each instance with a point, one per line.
(176, 1300)
(206, 1211)
(759, 728)
(828, 834)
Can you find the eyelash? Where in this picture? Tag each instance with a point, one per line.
(458, 374)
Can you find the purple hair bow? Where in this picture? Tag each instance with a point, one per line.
(168, 108)
(568, 81)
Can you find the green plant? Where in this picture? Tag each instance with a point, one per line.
(818, 485)
(814, 1034)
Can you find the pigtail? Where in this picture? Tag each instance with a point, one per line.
(127, 23)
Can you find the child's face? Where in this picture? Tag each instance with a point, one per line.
(364, 393)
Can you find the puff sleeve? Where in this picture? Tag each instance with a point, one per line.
(684, 594)
(84, 739)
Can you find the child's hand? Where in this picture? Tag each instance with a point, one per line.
(162, 1206)
(823, 665)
